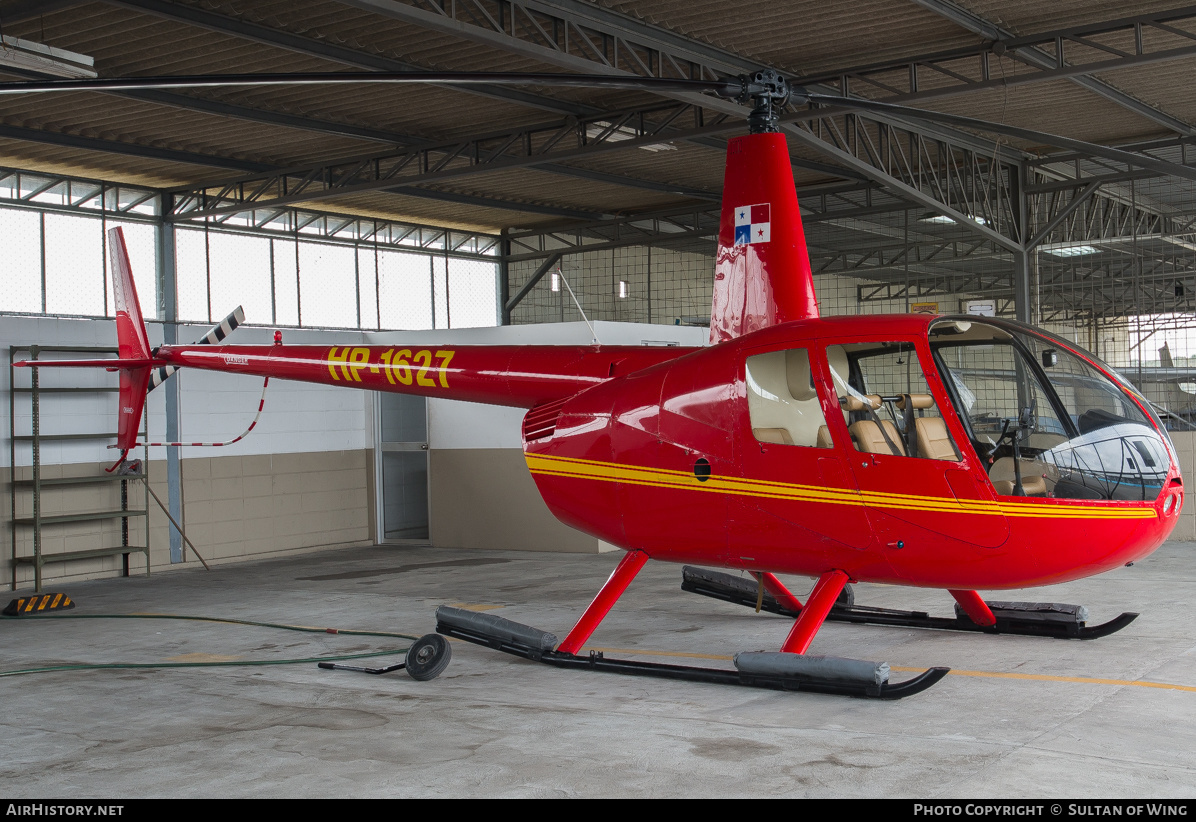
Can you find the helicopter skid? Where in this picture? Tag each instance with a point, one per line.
(776, 672)
(1024, 619)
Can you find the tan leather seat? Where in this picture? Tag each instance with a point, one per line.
(1034, 482)
(861, 402)
(933, 440)
(1033, 486)
(777, 435)
(866, 436)
(918, 401)
(824, 437)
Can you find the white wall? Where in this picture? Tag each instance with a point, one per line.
(298, 417)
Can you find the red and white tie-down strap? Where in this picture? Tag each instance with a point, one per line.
(256, 416)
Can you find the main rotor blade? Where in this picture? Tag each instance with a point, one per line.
(730, 87)
(1115, 154)
(727, 88)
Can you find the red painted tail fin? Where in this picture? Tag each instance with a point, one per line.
(132, 341)
(762, 270)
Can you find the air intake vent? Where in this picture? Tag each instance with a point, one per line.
(540, 422)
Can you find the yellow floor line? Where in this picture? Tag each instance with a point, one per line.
(1080, 679)
(1083, 680)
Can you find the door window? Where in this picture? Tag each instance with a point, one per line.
(886, 401)
(782, 401)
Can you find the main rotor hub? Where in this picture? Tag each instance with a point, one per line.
(770, 92)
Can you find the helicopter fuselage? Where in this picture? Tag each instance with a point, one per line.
(688, 461)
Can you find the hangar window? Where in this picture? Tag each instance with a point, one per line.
(296, 269)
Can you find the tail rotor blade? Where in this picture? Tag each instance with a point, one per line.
(214, 335)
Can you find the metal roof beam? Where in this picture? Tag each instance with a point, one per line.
(55, 138)
(209, 160)
(222, 108)
(226, 109)
(939, 194)
(32, 9)
(623, 46)
(1032, 55)
(385, 171)
(969, 69)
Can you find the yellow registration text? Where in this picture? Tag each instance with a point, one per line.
(402, 366)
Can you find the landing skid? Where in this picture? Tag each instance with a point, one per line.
(531, 643)
(1025, 619)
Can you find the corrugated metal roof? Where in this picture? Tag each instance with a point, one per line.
(170, 144)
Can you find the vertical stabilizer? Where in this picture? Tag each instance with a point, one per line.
(132, 341)
(762, 270)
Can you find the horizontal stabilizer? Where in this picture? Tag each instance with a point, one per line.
(112, 363)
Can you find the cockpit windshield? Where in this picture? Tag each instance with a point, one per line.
(1044, 422)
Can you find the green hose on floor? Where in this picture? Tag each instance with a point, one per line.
(224, 664)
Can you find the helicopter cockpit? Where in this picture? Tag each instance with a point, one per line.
(1042, 421)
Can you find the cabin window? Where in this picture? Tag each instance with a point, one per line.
(886, 402)
(782, 401)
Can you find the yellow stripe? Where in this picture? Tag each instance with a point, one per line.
(662, 478)
(44, 603)
(56, 598)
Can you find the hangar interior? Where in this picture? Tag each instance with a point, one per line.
(418, 215)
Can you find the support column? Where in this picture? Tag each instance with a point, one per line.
(1025, 300)
(168, 311)
(504, 279)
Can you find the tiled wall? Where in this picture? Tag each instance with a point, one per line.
(241, 507)
(485, 497)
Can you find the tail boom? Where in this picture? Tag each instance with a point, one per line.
(520, 376)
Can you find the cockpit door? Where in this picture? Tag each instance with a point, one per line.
(915, 483)
(798, 493)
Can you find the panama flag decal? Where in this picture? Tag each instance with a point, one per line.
(752, 224)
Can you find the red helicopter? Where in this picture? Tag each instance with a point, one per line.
(952, 452)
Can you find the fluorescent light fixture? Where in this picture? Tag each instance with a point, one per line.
(620, 133)
(943, 219)
(622, 289)
(45, 59)
(556, 281)
(1070, 250)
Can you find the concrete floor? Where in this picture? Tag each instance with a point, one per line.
(1020, 717)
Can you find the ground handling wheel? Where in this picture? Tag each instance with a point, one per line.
(428, 657)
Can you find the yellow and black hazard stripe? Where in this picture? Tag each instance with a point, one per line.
(685, 480)
(39, 604)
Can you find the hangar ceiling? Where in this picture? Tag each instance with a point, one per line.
(916, 208)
